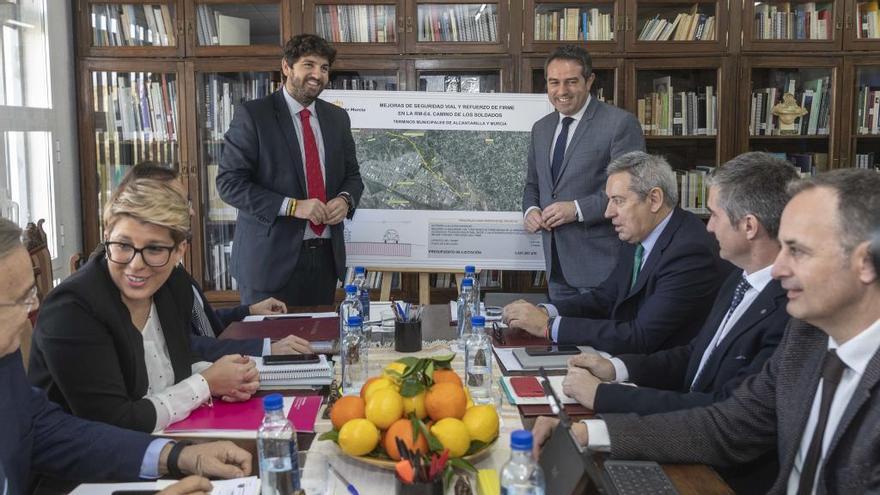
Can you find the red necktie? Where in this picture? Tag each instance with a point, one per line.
(314, 177)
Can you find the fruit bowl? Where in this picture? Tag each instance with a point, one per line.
(386, 463)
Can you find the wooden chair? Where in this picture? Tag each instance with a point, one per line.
(38, 248)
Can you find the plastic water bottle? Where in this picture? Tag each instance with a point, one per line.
(478, 362)
(355, 364)
(465, 311)
(522, 475)
(470, 271)
(360, 281)
(350, 306)
(276, 447)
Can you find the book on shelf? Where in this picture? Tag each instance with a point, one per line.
(132, 25)
(868, 20)
(665, 112)
(808, 164)
(373, 278)
(868, 111)
(213, 28)
(457, 23)
(867, 160)
(798, 21)
(218, 210)
(356, 23)
(574, 24)
(693, 188)
(136, 105)
(388, 83)
(221, 93)
(685, 26)
(813, 95)
(539, 278)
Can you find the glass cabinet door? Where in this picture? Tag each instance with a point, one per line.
(131, 29)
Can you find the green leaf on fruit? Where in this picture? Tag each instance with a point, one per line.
(462, 464)
(434, 445)
(476, 446)
(443, 358)
(332, 435)
(411, 387)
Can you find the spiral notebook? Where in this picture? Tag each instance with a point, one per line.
(291, 375)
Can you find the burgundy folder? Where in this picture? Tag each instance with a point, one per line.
(311, 329)
(516, 337)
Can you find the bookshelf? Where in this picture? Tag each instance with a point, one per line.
(862, 104)
(224, 28)
(357, 26)
(132, 29)
(660, 26)
(609, 77)
(862, 25)
(774, 26)
(559, 22)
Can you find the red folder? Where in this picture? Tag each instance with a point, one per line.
(247, 415)
(515, 337)
(311, 329)
(528, 410)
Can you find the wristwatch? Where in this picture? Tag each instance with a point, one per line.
(348, 200)
(549, 332)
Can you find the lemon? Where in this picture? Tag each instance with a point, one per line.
(358, 437)
(378, 384)
(481, 423)
(384, 407)
(415, 404)
(453, 435)
(396, 367)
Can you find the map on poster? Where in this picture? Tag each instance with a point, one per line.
(443, 176)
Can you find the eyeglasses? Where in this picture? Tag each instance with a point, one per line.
(123, 253)
(29, 300)
(498, 333)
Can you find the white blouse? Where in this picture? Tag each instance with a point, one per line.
(173, 402)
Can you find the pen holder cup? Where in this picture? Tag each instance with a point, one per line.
(419, 488)
(407, 336)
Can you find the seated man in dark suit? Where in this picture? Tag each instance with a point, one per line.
(664, 282)
(37, 437)
(817, 399)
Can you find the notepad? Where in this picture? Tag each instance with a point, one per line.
(290, 375)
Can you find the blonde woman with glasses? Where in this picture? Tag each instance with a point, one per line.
(112, 341)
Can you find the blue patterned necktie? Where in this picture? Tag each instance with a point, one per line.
(559, 149)
(741, 288)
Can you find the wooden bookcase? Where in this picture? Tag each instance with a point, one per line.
(187, 47)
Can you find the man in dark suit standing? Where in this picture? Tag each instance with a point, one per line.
(289, 167)
(569, 151)
(816, 400)
(663, 284)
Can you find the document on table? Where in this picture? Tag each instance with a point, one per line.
(325, 314)
(237, 486)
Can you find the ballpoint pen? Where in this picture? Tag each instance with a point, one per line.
(351, 489)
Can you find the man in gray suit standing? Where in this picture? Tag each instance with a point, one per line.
(817, 400)
(563, 195)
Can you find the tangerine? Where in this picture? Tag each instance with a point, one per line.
(443, 375)
(445, 400)
(402, 428)
(346, 409)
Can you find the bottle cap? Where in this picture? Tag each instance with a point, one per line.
(351, 289)
(470, 269)
(359, 269)
(521, 440)
(273, 402)
(355, 321)
(468, 282)
(478, 320)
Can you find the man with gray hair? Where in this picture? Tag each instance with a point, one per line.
(663, 284)
(817, 399)
(38, 437)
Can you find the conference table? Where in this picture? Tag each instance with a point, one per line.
(436, 334)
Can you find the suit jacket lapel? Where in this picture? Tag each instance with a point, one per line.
(579, 133)
(657, 251)
(860, 396)
(710, 327)
(285, 123)
(762, 307)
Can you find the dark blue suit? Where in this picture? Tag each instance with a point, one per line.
(37, 437)
(262, 165)
(665, 377)
(666, 307)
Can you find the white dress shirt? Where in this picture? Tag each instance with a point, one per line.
(173, 402)
(855, 353)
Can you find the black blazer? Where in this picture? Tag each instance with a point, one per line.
(668, 304)
(89, 356)
(664, 378)
(261, 165)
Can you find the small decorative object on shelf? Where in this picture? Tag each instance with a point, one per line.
(788, 111)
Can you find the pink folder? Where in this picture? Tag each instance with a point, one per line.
(247, 415)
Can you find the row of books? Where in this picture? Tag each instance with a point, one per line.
(220, 94)
(804, 21)
(356, 23)
(218, 262)
(132, 25)
(574, 24)
(685, 27)
(458, 22)
(218, 210)
(867, 161)
(808, 164)
(693, 187)
(359, 83)
(868, 20)
(215, 28)
(814, 96)
(111, 151)
(539, 278)
(137, 105)
(868, 111)
(665, 112)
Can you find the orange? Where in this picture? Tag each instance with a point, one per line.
(346, 409)
(443, 375)
(445, 400)
(402, 428)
